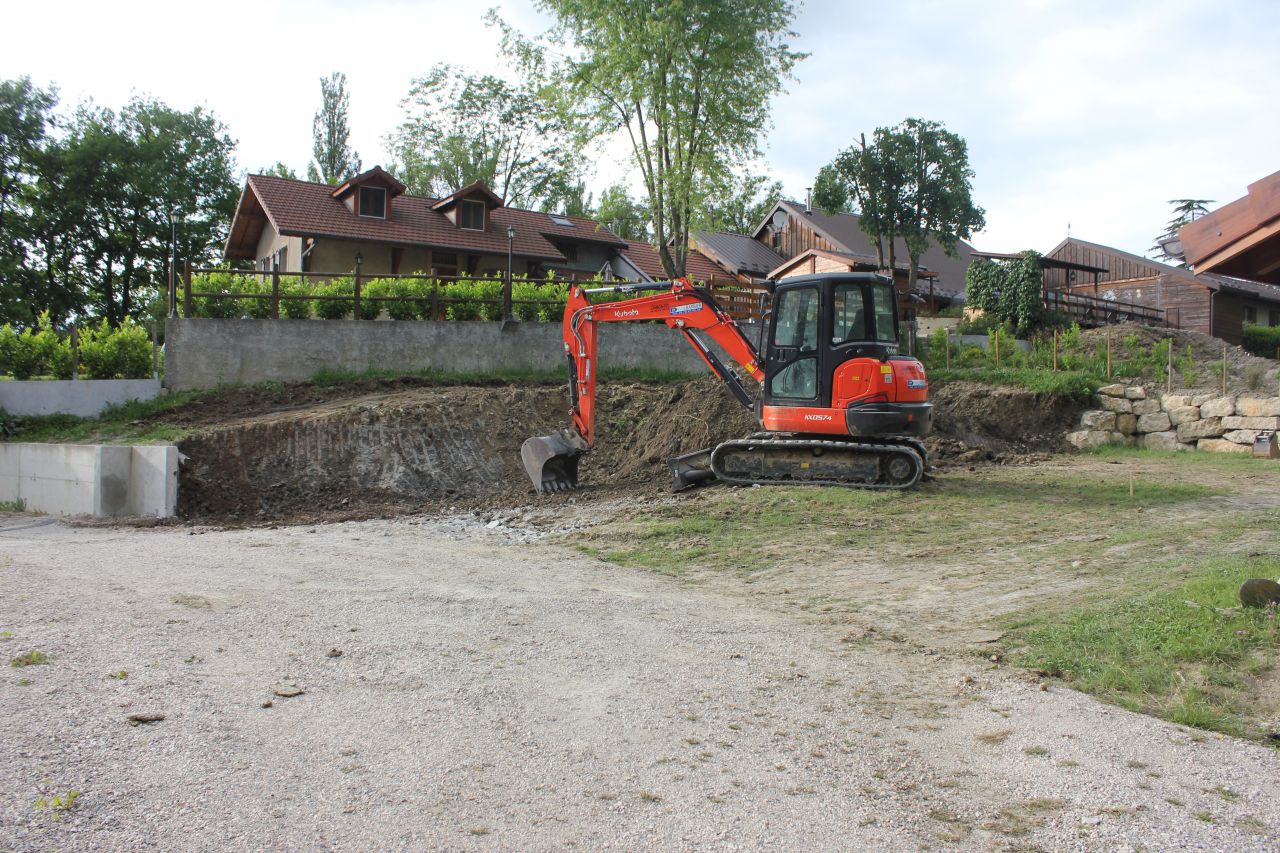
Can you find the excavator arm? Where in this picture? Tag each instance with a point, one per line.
(552, 461)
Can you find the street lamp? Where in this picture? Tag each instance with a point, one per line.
(507, 317)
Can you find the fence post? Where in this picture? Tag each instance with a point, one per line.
(1224, 370)
(1108, 355)
(75, 352)
(186, 291)
(947, 349)
(355, 312)
(275, 289)
(997, 347)
(435, 299)
(1168, 383)
(155, 354)
(1055, 350)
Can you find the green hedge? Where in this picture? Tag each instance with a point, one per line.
(105, 353)
(1262, 340)
(478, 298)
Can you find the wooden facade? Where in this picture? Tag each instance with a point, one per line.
(1207, 304)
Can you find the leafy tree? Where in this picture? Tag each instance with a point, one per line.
(574, 200)
(913, 181)
(463, 128)
(688, 83)
(1008, 291)
(738, 203)
(872, 180)
(25, 117)
(622, 214)
(938, 200)
(102, 238)
(279, 170)
(1185, 210)
(334, 161)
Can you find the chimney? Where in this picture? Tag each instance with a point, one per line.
(808, 201)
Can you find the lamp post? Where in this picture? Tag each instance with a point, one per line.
(173, 262)
(506, 290)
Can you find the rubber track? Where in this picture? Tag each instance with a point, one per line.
(909, 447)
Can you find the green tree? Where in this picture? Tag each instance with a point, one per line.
(938, 195)
(622, 214)
(1185, 210)
(106, 196)
(25, 117)
(688, 83)
(871, 180)
(334, 161)
(737, 203)
(463, 128)
(279, 170)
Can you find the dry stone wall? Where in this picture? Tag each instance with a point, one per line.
(1128, 414)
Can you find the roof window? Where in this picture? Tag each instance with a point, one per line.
(373, 202)
(560, 220)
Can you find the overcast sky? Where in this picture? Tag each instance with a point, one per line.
(1075, 111)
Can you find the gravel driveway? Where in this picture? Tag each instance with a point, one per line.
(469, 689)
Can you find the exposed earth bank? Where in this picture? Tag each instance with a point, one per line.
(301, 453)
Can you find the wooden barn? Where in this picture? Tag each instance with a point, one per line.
(1213, 304)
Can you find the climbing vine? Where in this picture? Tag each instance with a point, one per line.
(1008, 290)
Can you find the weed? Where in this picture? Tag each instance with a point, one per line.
(1136, 765)
(58, 805)
(1207, 817)
(15, 505)
(1035, 750)
(1226, 793)
(994, 737)
(6, 635)
(118, 676)
(1173, 801)
(479, 830)
(31, 658)
(1067, 762)
(649, 797)
(24, 682)
(1022, 818)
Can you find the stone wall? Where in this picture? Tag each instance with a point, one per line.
(84, 398)
(1128, 414)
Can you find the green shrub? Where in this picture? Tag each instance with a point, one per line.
(121, 353)
(335, 309)
(370, 291)
(408, 303)
(295, 309)
(463, 299)
(526, 300)
(258, 309)
(1262, 340)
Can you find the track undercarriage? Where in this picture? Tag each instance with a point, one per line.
(891, 462)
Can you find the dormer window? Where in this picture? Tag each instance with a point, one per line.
(471, 214)
(373, 202)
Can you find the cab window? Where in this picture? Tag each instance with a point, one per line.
(797, 323)
(849, 315)
(886, 310)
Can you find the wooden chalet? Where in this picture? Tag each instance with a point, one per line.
(1240, 239)
(1213, 304)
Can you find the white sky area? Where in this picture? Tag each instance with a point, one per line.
(1075, 111)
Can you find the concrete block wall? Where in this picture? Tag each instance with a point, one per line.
(205, 353)
(90, 479)
(84, 398)
(1127, 414)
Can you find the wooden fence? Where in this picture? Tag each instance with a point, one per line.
(742, 302)
(1091, 311)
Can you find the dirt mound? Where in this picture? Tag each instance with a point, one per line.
(298, 454)
(1245, 372)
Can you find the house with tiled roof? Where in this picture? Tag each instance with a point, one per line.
(311, 227)
(640, 261)
(741, 256)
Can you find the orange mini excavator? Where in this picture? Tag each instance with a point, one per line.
(836, 403)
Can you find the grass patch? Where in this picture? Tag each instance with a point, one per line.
(1186, 652)
(119, 424)
(31, 658)
(1068, 383)
(738, 529)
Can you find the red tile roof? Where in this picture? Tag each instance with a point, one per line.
(644, 256)
(304, 209)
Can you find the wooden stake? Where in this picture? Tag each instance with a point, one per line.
(1055, 350)
(1130, 485)
(1224, 370)
(997, 348)
(1108, 355)
(1168, 378)
(948, 349)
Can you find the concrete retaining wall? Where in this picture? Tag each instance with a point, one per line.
(204, 353)
(85, 398)
(90, 479)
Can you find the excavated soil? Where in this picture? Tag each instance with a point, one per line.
(302, 453)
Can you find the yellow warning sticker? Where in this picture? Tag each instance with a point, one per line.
(884, 368)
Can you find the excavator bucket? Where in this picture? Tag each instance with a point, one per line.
(551, 461)
(691, 469)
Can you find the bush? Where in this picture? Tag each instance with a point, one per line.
(335, 309)
(35, 352)
(258, 309)
(463, 300)
(121, 353)
(295, 309)
(220, 283)
(1262, 340)
(1010, 291)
